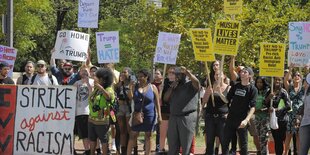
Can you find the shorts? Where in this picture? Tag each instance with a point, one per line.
(123, 110)
(252, 127)
(98, 131)
(81, 128)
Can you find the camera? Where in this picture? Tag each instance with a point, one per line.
(133, 78)
(96, 108)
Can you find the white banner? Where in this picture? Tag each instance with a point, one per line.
(44, 120)
(107, 47)
(299, 44)
(71, 45)
(88, 13)
(167, 48)
(8, 55)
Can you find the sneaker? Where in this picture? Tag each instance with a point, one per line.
(113, 148)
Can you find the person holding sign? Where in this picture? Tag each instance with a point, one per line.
(4, 71)
(215, 116)
(242, 100)
(281, 105)
(296, 92)
(183, 99)
(100, 102)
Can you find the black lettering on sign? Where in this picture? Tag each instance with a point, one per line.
(4, 91)
(20, 140)
(6, 143)
(7, 120)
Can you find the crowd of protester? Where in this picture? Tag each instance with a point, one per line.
(117, 101)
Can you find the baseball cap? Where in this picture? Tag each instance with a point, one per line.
(68, 64)
(249, 69)
(41, 62)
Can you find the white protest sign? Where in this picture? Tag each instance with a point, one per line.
(44, 120)
(167, 48)
(299, 44)
(107, 47)
(71, 45)
(88, 13)
(8, 55)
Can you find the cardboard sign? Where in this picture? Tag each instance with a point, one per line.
(71, 45)
(299, 44)
(167, 48)
(226, 37)
(232, 7)
(202, 44)
(8, 55)
(88, 13)
(43, 120)
(272, 58)
(107, 47)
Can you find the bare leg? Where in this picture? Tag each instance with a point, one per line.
(86, 144)
(287, 142)
(148, 136)
(105, 148)
(132, 140)
(163, 134)
(93, 147)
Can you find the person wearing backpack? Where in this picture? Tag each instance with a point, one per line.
(42, 77)
(29, 73)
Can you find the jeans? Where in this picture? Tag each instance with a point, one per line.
(230, 130)
(279, 137)
(214, 127)
(304, 132)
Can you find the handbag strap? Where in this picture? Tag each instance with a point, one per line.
(142, 104)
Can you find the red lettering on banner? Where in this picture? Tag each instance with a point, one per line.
(7, 118)
(31, 123)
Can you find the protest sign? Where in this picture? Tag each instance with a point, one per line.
(226, 37)
(107, 47)
(202, 44)
(299, 44)
(272, 56)
(8, 55)
(44, 119)
(88, 13)
(7, 115)
(232, 7)
(299, 58)
(167, 48)
(71, 45)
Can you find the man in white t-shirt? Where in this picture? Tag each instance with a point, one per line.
(42, 77)
(84, 89)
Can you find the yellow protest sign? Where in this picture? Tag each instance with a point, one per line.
(232, 7)
(226, 37)
(202, 44)
(272, 57)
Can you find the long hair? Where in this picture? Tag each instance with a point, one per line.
(265, 83)
(106, 75)
(212, 72)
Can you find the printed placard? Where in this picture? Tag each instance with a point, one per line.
(272, 56)
(107, 47)
(44, 120)
(167, 48)
(202, 44)
(226, 37)
(71, 45)
(299, 44)
(88, 13)
(8, 55)
(232, 7)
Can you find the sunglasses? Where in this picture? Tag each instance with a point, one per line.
(297, 75)
(40, 66)
(67, 69)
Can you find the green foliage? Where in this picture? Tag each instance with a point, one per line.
(138, 23)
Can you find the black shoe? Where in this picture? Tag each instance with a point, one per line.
(216, 151)
(98, 151)
(87, 152)
(75, 153)
(232, 152)
(135, 150)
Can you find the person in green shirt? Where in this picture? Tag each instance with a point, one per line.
(261, 114)
(100, 102)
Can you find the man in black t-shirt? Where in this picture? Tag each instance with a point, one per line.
(183, 99)
(242, 99)
(4, 71)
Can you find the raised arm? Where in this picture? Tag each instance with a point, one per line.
(195, 81)
(233, 73)
(287, 77)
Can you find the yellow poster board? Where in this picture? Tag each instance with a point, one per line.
(232, 7)
(272, 56)
(226, 37)
(202, 44)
